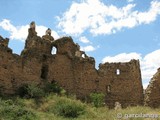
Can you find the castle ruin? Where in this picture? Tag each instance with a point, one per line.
(120, 82)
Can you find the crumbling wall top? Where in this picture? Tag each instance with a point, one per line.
(4, 44)
(131, 63)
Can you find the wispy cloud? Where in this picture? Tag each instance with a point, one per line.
(130, 1)
(21, 32)
(83, 39)
(88, 48)
(100, 18)
(149, 63)
(123, 57)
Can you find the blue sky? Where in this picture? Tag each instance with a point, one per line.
(108, 30)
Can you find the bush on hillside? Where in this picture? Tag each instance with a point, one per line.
(31, 91)
(52, 87)
(11, 111)
(67, 108)
(34, 91)
(97, 99)
(22, 91)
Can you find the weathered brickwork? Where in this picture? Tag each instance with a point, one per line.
(120, 82)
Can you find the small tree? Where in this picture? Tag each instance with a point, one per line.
(97, 99)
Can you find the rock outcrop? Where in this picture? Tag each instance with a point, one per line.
(120, 82)
(152, 93)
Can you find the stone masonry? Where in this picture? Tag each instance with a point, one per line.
(120, 82)
(152, 93)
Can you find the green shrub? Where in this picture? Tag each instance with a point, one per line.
(31, 91)
(16, 113)
(52, 87)
(67, 108)
(10, 111)
(22, 91)
(34, 91)
(97, 99)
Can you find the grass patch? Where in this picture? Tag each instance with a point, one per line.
(11, 110)
(55, 107)
(67, 108)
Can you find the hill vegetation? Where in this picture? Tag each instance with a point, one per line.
(35, 105)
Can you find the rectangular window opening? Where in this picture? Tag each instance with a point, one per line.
(118, 72)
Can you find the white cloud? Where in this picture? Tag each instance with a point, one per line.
(123, 57)
(149, 63)
(130, 0)
(98, 18)
(21, 32)
(83, 39)
(88, 48)
(150, 16)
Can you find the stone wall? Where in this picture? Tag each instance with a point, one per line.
(120, 82)
(152, 93)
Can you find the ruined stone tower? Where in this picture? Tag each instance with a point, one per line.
(120, 82)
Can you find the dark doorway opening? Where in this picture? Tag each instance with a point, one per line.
(44, 71)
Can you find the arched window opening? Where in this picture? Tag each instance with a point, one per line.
(54, 51)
